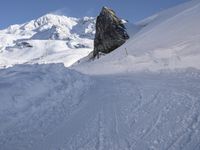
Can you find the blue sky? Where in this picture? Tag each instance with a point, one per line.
(20, 11)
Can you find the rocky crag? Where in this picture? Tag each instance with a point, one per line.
(110, 32)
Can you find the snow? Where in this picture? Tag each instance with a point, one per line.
(56, 108)
(170, 41)
(45, 52)
(53, 39)
(35, 99)
(144, 95)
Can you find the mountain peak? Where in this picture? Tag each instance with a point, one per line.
(105, 11)
(62, 33)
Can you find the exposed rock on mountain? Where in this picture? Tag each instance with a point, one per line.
(24, 45)
(110, 32)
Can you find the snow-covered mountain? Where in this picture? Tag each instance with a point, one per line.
(48, 39)
(122, 102)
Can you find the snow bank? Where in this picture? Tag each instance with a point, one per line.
(36, 98)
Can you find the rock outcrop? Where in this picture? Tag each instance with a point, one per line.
(110, 32)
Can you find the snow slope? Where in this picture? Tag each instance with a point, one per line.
(51, 39)
(169, 40)
(49, 107)
(34, 100)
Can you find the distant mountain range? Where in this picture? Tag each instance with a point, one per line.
(48, 39)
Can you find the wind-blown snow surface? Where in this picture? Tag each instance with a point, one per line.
(48, 39)
(45, 110)
(35, 99)
(49, 107)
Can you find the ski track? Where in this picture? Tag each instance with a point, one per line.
(128, 112)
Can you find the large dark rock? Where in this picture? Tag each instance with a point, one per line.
(110, 32)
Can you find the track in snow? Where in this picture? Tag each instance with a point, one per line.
(131, 112)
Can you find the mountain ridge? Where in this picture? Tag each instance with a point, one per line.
(65, 34)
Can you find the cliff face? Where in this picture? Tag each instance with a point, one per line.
(110, 32)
